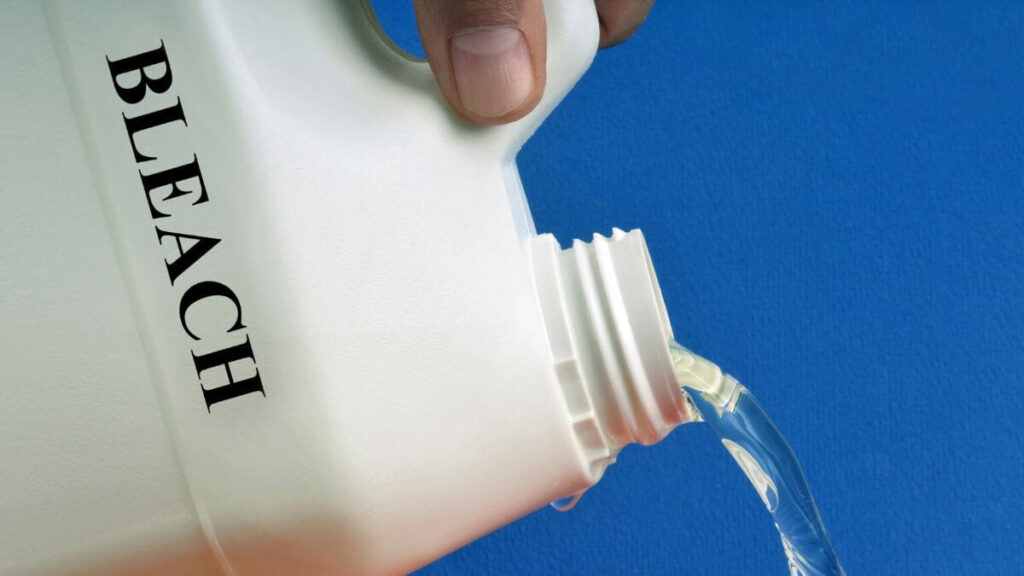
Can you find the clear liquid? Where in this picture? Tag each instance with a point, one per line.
(758, 447)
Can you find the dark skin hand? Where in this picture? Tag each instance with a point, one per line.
(488, 55)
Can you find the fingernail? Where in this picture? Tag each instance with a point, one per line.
(492, 67)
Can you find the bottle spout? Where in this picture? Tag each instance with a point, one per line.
(608, 332)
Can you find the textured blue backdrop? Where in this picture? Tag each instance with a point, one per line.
(833, 194)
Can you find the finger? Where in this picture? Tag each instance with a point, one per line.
(488, 55)
(620, 19)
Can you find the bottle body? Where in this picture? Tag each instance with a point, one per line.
(315, 345)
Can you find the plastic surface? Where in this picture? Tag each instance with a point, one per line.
(608, 333)
(324, 354)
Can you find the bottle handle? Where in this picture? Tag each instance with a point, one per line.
(573, 33)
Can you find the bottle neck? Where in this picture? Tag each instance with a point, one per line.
(608, 332)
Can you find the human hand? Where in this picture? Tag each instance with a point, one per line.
(489, 55)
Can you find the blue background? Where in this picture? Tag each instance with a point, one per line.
(833, 194)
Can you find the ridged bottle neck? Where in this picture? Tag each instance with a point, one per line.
(608, 333)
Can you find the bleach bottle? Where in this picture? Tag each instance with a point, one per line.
(268, 307)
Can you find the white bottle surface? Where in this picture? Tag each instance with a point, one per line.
(342, 350)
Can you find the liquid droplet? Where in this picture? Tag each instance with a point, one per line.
(567, 503)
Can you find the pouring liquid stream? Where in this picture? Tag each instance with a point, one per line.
(765, 457)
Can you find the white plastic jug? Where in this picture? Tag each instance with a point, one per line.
(268, 307)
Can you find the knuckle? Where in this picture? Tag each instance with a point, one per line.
(620, 19)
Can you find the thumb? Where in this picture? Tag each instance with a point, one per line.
(488, 55)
